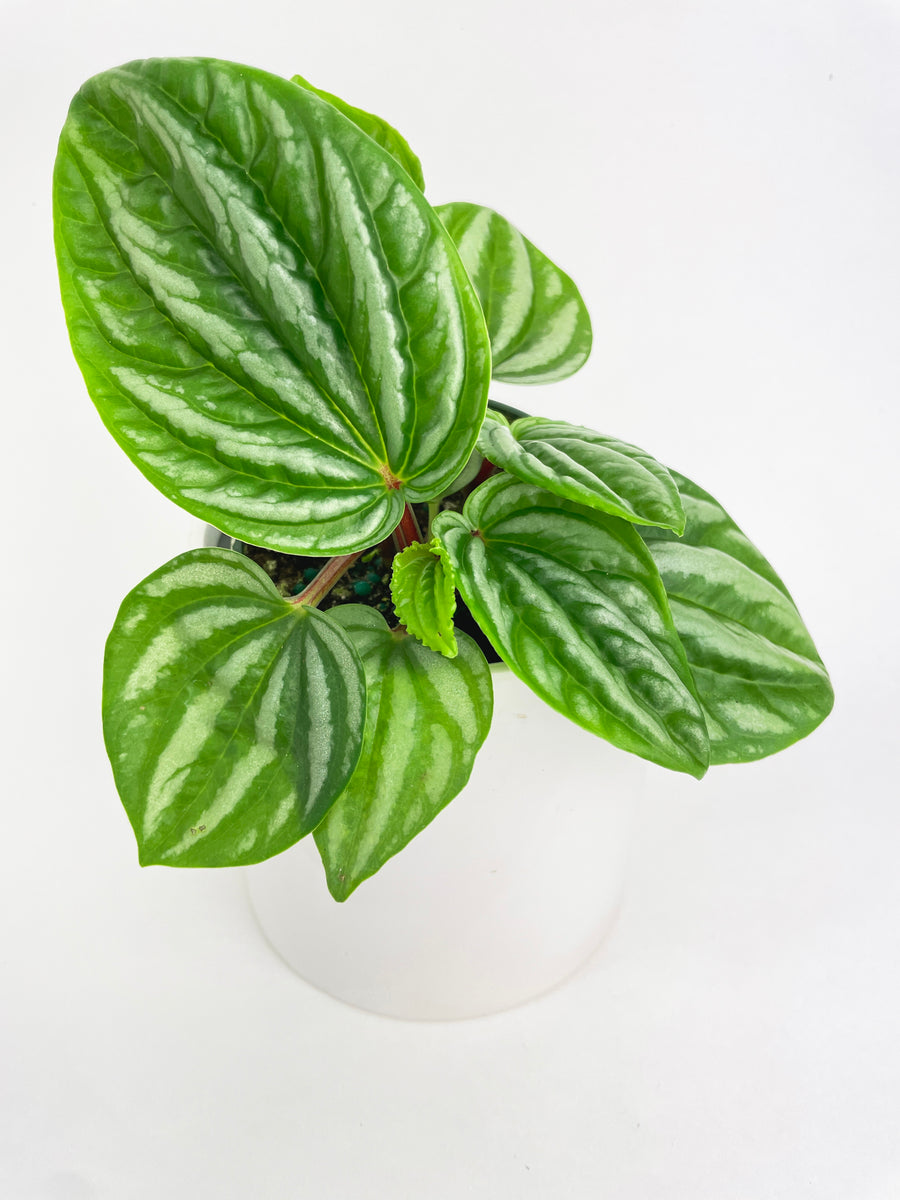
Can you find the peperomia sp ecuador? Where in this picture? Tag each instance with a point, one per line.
(290, 342)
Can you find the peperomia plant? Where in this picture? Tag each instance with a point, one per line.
(291, 343)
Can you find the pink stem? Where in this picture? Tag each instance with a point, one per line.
(319, 587)
(408, 530)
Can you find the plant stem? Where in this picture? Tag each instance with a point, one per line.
(318, 588)
(434, 507)
(485, 471)
(408, 530)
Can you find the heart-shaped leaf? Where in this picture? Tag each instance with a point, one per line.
(427, 718)
(540, 329)
(758, 675)
(269, 316)
(377, 128)
(232, 718)
(578, 464)
(571, 600)
(424, 595)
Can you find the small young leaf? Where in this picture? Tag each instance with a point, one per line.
(427, 718)
(268, 314)
(572, 601)
(581, 465)
(232, 718)
(758, 674)
(539, 327)
(378, 129)
(424, 595)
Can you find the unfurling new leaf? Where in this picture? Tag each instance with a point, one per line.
(424, 594)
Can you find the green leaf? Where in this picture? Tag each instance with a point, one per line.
(571, 600)
(465, 477)
(232, 718)
(540, 329)
(269, 316)
(578, 464)
(757, 671)
(427, 718)
(378, 129)
(424, 595)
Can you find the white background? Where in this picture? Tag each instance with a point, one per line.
(722, 181)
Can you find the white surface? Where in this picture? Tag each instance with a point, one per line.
(496, 901)
(722, 180)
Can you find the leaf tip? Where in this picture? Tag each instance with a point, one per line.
(146, 859)
(340, 887)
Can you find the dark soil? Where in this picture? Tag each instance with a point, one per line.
(368, 580)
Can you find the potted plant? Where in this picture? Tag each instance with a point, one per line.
(291, 343)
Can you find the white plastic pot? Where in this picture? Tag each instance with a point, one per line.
(507, 893)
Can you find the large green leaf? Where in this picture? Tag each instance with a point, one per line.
(758, 675)
(377, 128)
(270, 317)
(579, 464)
(540, 329)
(427, 718)
(571, 600)
(232, 718)
(424, 595)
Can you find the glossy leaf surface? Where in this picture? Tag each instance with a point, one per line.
(232, 718)
(377, 128)
(424, 595)
(578, 464)
(427, 718)
(571, 600)
(269, 316)
(757, 671)
(539, 326)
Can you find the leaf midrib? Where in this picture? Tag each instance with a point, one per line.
(213, 137)
(735, 623)
(321, 177)
(194, 798)
(150, 753)
(810, 680)
(625, 507)
(155, 418)
(561, 443)
(614, 669)
(342, 416)
(165, 484)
